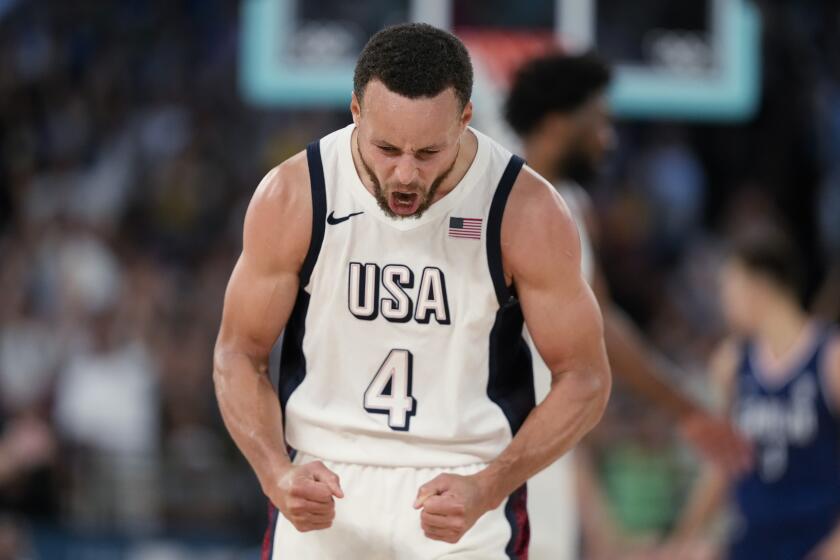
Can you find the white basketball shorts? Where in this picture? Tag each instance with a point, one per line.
(376, 520)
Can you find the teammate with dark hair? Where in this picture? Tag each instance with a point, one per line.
(558, 107)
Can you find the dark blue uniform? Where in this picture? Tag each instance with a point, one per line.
(790, 501)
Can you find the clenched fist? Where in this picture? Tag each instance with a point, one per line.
(451, 505)
(305, 494)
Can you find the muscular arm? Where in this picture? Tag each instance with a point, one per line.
(634, 361)
(708, 494)
(258, 302)
(565, 323)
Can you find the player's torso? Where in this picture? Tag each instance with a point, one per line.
(795, 435)
(398, 324)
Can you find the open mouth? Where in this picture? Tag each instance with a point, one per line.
(403, 203)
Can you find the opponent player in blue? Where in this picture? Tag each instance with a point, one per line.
(781, 380)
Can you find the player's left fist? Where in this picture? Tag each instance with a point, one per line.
(451, 505)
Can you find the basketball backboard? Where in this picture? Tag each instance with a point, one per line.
(674, 60)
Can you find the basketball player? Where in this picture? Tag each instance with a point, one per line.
(401, 254)
(779, 376)
(558, 107)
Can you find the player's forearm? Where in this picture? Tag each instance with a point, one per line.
(638, 367)
(705, 500)
(600, 532)
(251, 413)
(574, 406)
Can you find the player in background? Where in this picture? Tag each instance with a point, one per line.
(400, 257)
(558, 107)
(778, 375)
(827, 301)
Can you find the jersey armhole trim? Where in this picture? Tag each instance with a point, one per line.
(319, 210)
(494, 228)
(831, 339)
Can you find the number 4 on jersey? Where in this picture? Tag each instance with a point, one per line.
(390, 390)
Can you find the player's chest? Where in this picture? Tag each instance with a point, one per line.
(422, 277)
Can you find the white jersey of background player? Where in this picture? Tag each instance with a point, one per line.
(552, 496)
(558, 107)
(402, 254)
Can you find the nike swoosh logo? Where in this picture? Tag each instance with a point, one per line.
(332, 220)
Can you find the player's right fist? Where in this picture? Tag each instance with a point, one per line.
(305, 496)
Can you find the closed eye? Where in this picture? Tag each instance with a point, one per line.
(388, 149)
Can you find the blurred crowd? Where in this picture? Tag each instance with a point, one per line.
(127, 162)
(127, 159)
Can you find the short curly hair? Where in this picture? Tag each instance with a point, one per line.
(553, 83)
(415, 60)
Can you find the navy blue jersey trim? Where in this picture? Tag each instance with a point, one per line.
(267, 551)
(319, 209)
(516, 512)
(292, 358)
(494, 228)
(510, 382)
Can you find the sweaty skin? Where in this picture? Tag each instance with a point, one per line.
(543, 264)
(258, 301)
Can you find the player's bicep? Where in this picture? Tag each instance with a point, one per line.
(723, 366)
(257, 305)
(264, 284)
(565, 322)
(561, 312)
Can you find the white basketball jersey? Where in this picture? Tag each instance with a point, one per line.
(405, 345)
(579, 202)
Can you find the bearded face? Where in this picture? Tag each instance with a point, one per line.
(407, 147)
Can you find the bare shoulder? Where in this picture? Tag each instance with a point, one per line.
(830, 369)
(832, 356)
(538, 230)
(278, 224)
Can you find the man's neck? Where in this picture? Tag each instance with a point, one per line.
(781, 328)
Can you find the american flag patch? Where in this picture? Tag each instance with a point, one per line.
(465, 228)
